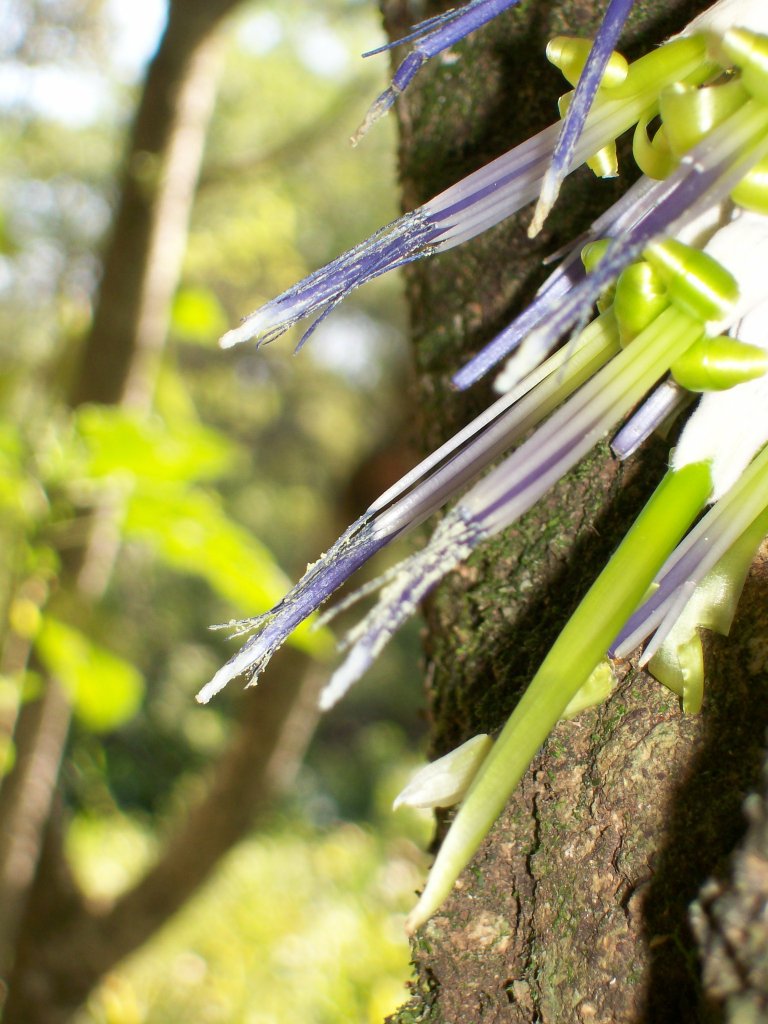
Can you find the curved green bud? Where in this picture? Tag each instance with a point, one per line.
(595, 690)
(716, 364)
(591, 255)
(443, 782)
(639, 296)
(696, 282)
(752, 191)
(569, 54)
(605, 162)
(593, 252)
(689, 114)
(653, 156)
(749, 52)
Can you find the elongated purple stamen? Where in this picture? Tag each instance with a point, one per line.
(694, 557)
(668, 398)
(613, 222)
(406, 239)
(583, 98)
(555, 288)
(349, 552)
(705, 177)
(406, 505)
(434, 35)
(514, 486)
(470, 17)
(459, 213)
(453, 542)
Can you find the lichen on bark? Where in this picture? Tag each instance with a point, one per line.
(576, 906)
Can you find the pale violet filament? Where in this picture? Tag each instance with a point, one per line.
(613, 222)
(523, 477)
(576, 115)
(452, 543)
(433, 37)
(493, 503)
(664, 401)
(462, 211)
(403, 507)
(705, 176)
(506, 493)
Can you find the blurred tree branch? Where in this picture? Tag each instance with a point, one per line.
(68, 944)
(54, 945)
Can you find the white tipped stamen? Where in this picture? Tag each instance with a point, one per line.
(242, 662)
(251, 327)
(451, 544)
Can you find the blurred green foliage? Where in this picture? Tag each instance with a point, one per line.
(219, 497)
(299, 926)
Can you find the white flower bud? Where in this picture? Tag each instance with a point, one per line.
(445, 781)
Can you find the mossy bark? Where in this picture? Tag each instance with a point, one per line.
(576, 906)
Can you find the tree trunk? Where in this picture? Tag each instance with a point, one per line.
(575, 908)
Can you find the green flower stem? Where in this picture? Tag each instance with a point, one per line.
(493, 432)
(513, 487)
(604, 610)
(622, 106)
(683, 60)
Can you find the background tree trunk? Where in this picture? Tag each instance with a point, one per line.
(54, 944)
(575, 908)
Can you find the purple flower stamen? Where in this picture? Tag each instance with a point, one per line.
(576, 115)
(434, 36)
(705, 176)
(666, 400)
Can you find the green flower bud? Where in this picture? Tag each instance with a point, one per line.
(639, 297)
(716, 364)
(696, 282)
(569, 54)
(749, 52)
(443, 782)
(752, 191)
(689, 114)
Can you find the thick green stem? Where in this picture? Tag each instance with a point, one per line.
(583, 642)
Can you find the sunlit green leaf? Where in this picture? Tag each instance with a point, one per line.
(21, 497)
(105, 690)
(190, 531)
(197, 316)
(120, 441)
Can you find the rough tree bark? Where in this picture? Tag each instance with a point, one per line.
(54, 943)
(576, 907)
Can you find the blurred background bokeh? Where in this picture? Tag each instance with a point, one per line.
(152, 484)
